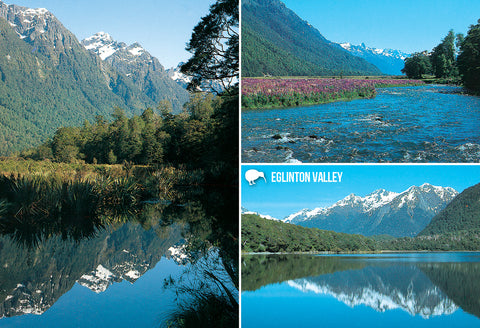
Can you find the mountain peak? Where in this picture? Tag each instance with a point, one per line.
(286, 36)
(102, 44)
(99, 36)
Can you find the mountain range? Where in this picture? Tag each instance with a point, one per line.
(48, 79)
(144, 70)
(381, 212)
(277, 42)
(389, 61)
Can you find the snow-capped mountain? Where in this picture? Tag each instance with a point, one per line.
(28, 23)
(381, 212)
(389, 61)
(105, 46)
(102, 44)
(139, 66)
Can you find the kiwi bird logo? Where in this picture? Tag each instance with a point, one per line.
(253, 175)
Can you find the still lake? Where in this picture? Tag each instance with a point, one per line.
(381, 290)
(138, 273)
(402, 124)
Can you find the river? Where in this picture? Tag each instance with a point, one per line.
(403, 124)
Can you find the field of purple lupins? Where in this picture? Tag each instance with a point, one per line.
(291, 92)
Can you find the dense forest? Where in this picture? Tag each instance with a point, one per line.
(455, 58)
(261, 270)
(195, 137)
(262, 235)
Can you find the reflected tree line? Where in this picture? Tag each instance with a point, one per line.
(459, 282)
(38, 210)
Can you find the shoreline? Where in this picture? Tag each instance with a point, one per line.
(309, 104)
(305, 101)
(357, 253)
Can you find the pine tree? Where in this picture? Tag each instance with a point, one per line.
(469, 58)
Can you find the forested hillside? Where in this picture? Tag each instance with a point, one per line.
(48, 80)
(262, 235)
(463, 213)
(275, 41)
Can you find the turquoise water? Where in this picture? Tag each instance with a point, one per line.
(405, 124)
(414, 290)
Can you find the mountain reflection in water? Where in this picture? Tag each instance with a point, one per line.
(104, 271)
(429, 285)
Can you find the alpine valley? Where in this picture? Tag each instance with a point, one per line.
(48, 79)
(276, 42)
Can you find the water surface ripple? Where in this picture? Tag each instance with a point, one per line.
(404, 124)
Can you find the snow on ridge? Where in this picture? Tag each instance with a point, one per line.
(106, 51)
(180, 76)
(99, 36)
(374, 200)
(133, 274)
(136, 51)
(362, 48)
(38, 11)
(98, 280)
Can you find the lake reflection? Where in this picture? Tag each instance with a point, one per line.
(143, 272)
(419, 290)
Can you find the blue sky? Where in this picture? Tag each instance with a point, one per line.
(282, 199)
(407, 25)
(162, 27)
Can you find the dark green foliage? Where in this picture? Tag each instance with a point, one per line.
(417, 65)
(215, 46)
(262, 235)
(261, 270)
(442, 57)
(207, 310)
(461, 240)
(204, 136)
(463, 213)
(469, 58)
(276, 42)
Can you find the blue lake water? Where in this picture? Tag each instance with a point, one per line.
(404, 124)
(124, 276)
(400, 290)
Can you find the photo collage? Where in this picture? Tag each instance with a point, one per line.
(240, 163)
